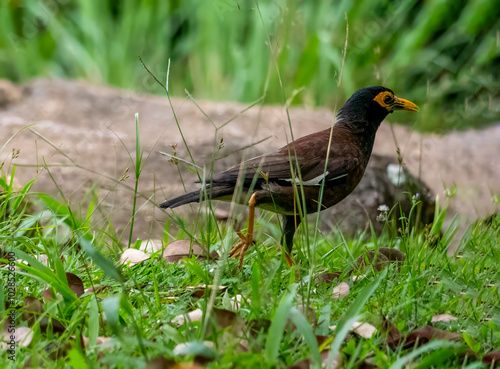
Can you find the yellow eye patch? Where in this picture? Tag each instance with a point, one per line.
(385, 99)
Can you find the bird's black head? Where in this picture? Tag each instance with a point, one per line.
(371, 105)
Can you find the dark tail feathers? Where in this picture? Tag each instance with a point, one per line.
(181, 200)
(194, 196)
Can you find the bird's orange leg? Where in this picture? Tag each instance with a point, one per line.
(289, 259)
(290, 224)
(242, 246)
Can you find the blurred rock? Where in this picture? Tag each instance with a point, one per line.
(9, 93)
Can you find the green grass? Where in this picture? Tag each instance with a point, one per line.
(442, 54)
(140, 302)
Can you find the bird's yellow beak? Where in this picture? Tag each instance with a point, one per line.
(403, 104)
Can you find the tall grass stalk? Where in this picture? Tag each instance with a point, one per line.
(137, 175)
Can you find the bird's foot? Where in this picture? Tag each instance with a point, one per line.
(241, 247)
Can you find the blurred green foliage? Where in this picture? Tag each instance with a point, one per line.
(442, 54)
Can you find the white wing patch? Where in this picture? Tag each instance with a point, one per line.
(316, 181)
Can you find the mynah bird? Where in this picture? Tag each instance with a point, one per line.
(308, 175)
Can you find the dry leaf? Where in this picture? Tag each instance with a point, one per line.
(42, 258)
(367, 259)
(492, 359)
(187, 366)
(58, 350)
(328, 277)
(365, 330)
(384, 257)
(367, 365)
(337, 360)
(308, 363)
(303, 364)
(193, 316)
(56, 325)
(235, 302)
(160, 362)
(47, 295)
(133, 256)
(199, 291)
(99, 340)
(321, 340)
(443, 318)
(256, 326)
(223, 318)
(426, 334)
(180, 249)
(417, 336)
(75, 284)
(22, 337)
(85, 340)
(33, 309)
(163, 363)
(341, 290)
(393, 334)
(393, 255)
(96, 289)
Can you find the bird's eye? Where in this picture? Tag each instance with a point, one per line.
(388, 99)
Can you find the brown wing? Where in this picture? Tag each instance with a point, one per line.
(309, 152)
(274, 166)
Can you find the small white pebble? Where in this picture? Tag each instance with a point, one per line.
(150, 246)
(443, 318)
(178, 350)
(365, 330)
(132, 257)
(194, 316)
(340, 291)
(358, 277)
(235, 302)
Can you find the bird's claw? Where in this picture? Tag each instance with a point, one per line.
(245, 238)
(241, 247)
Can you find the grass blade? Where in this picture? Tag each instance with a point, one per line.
(351, 315)
(106, 265)
(278, 323)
